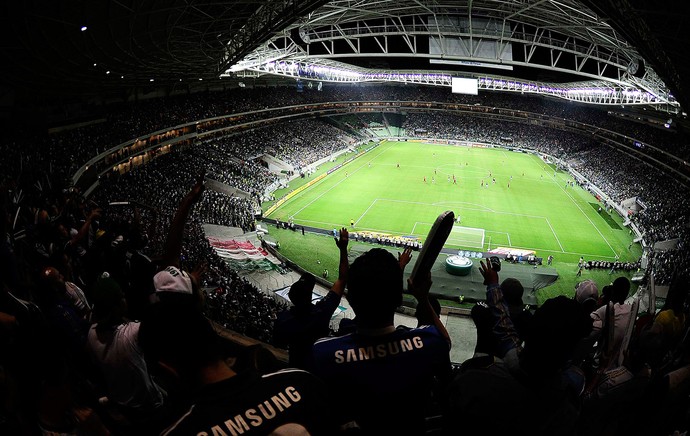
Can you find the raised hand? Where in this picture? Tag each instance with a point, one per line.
(343, 240)
(405, 257)
(198, 187)
(490, 276)
(343, 266)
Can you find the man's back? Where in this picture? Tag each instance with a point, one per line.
(250, 403)
(299, 327)
(492, 400)
(395, 369)
(116, 352)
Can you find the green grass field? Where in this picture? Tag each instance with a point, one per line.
(385, 191)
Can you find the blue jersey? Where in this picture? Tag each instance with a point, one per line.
(392, 372)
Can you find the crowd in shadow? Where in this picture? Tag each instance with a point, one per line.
(106, 304)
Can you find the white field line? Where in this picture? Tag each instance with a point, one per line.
(483, 208)
(367, 210)
(325, 192)
(583, 213)
(329, 189)
(329, 225)
(554, 234)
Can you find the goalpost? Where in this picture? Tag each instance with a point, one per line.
(467, 236)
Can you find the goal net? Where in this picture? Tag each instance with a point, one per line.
(467, 237)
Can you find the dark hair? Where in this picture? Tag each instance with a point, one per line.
(621, 288)
(300, 292)
(176, 332)
(512, 291)
(677, 293)
(107, 297)
(375, 284)
(606, 294)
(555, 329)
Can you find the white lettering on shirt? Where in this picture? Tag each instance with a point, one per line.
(379, 351)
(257, 416)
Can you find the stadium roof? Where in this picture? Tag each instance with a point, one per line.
(591, 49)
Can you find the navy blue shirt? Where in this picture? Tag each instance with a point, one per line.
(385, 377)
(297, 328)
(254, 404)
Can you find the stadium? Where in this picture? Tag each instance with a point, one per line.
(228, 144)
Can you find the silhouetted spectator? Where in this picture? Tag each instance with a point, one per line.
(114, 347)
(587, 294)
(382, 365)
(536, 377)
(520, 313)
(671, 321)
(610, 326)
(298, 327)
(183, 343)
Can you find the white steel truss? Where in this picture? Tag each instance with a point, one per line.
(562, 36)
(598, 92)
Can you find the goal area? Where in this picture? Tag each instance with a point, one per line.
(467, 237)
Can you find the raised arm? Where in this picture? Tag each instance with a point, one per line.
(405, 257)
(84, 230)
(504, 330)
(420, 290)
(343, 266)
(173, 243)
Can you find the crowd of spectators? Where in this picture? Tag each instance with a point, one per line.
(64, 255)
(67, 150)
(618, 175)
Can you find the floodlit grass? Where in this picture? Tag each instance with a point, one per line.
(528, 207)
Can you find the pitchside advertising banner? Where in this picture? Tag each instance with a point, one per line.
(292, 194)
(316, 179)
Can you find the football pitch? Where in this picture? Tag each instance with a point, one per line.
(502, 198)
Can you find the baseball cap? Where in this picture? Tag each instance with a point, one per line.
(173, 279)
(586, 289)
(106, 295)
(301, 290)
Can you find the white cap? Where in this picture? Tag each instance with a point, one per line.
(173, 279)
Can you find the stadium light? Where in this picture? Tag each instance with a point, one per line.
(83, 28)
